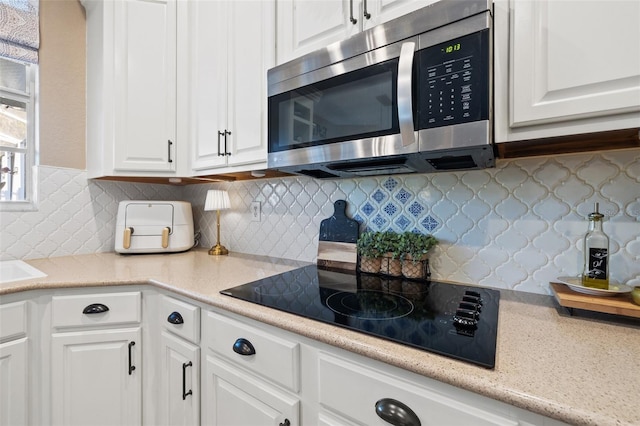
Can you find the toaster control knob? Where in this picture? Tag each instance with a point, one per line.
(126, 240)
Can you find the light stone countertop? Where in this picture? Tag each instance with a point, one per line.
(581, 370)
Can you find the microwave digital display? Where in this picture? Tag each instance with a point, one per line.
(453, 85)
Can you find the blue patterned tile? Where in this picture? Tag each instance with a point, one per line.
(403, 196)
(390, 209)
(368, 209)
(390, 184)
(416, 209)
(379, 196)
(403, 222)
(429, 223)
(379, 221)
(358, 218)
(416, 231)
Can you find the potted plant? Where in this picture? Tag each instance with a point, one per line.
(414, 248)
(368, 246)
(391, 252)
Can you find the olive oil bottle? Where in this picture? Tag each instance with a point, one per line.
(596, 254)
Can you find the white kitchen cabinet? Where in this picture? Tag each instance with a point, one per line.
(131, 87)
(179, 396)
(233, 397)
(357, 393)
(96, 377)
(304, 26)
(180, 403)
(231, 46)
(252, 376)
(96, 353)
(14, 364)
(565, 68)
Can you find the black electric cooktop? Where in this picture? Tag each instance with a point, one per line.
(452, 320)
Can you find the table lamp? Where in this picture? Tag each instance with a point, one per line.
(217, 200)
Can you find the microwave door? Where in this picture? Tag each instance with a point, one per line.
(405, 95)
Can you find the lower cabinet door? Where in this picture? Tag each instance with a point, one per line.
(13, 382)
(233, 397)
(180, 404)
(96, 377)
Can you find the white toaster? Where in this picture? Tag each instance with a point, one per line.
(154, 226)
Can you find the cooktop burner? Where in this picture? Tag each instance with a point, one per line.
(453, 320)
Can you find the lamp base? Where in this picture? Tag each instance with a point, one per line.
(218, 250)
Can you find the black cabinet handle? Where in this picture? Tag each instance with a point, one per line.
(220, 134)
(131, 367)
(285, 423)
(184, 380)
(169, 151)
(396, 413)
(95, 308)
(366, 14)
(226, 151)
(243, 347)
(351, 18)
(175, 318)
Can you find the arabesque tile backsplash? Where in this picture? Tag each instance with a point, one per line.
(516, 226)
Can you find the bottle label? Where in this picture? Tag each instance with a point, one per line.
(597, 263)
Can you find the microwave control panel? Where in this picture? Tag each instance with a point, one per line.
(453, 81)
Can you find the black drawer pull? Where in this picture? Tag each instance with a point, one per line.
(286, 423)
(243, 347)
(184, 380)
(131, 367)
(396, 413)
(95, 308)
(175, 318)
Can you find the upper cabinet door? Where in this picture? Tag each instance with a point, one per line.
(573, 60)
(145, 85)
(208, 35)
(249, 58)
(307, 25)
(376, 12)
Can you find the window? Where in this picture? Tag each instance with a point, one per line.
(17, 133)
(19, 43)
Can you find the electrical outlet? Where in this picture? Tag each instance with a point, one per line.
(255, 211)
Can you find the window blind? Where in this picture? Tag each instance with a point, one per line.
(19, 30)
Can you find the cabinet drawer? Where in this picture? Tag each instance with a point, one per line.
(275, 358)
(13, 320)
(121, 308)
(353, 391)
(180, 318)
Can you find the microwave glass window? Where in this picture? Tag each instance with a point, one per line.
(356, 105)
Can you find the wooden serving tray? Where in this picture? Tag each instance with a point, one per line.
(621, 304)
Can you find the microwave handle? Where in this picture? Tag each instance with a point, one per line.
(405, 107)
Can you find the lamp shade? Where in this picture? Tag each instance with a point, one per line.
(217, 200)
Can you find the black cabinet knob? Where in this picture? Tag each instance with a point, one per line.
(396, 413)
(95, 308)
(175, 318)
(243, 347)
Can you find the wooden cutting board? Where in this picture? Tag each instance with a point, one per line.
(618, 305)
(337, 239)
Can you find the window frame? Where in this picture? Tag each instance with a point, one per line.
(30, 174)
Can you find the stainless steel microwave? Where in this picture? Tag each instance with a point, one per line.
(413, 95)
